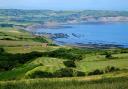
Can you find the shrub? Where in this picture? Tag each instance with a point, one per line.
(16, 59)
(7, 65)
(7, 39)
(40, 39)
(64, 53)
(111, 69)
(125, 50)
(68, 72)
(108, 55)
(96, 72)
(1, 50)
(64, 72)
(69, 63)
(26, 57)
(52, 45)
(106, 70)
(40, 74)
(80, 73)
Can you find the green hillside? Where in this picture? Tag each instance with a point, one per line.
(25, 61)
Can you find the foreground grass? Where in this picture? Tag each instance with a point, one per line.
(109, 83)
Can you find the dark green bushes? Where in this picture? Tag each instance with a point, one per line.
(108, 69)
(7, 39)
(68, 72)
(108, 55)
(96, 72)
(111, 69)
(52, 45)
(40, 39)
(124, 50)
(1, 50)
(69, 63)
(65, 54)
(40, 74)
(9, 61)
(22, 58)
(7, 65)
(64, 72)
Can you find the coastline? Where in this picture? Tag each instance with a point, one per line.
(62, 35)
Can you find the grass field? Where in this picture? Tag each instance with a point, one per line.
(100, 62)
(81, 83)
(13, 42)
(49, 64)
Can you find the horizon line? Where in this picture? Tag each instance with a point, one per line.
(62, 9)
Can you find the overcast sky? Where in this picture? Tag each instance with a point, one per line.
(65, 4)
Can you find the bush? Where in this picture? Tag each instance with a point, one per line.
(16, 59)
(108, 69)
(40, 39)
(96, 72)
(52, 45)
(80, 73)
(125, 50)
(68, 72)
(64, 53)
(108, 55)
(7, 39)
(7, 65)
(40, 74)
(111, 69)
(69, 63)
(1, 50)
(22, 58)
(64, 72)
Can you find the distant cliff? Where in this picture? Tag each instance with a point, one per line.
(55, 19)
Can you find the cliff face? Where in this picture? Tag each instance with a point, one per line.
(34, 19)
(104, 19)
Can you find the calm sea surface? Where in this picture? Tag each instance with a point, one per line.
(110, 33)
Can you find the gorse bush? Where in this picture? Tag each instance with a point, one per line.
(16, 59)
(7, 39)
(52, 45)
(68, 72)
(108, 55)
(40, 74)
(69, 63)
(64, 53)
(40, 39)
(108, 69)
(111, 69)
(1, 50)
(96, 72)
(7, 65)
(63, 72)
(123, 50)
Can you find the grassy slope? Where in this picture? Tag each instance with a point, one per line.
(17, 38)
(88, 64)
(94, 82)
(100, 62)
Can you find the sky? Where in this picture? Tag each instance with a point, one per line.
(65, 4)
